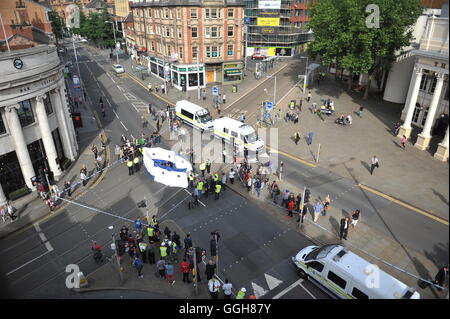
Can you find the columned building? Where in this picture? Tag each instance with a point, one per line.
(420, 79)
(36, 128)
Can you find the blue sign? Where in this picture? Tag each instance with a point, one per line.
(215, 90)
(267, 116)
(269, 105)
(247, 20)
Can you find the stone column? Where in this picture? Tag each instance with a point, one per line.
(70, 126)
(63, 126)
(3, 199)
(424, 138)
(442, 151)
(20, 144)
(413, 92)
(46, 135)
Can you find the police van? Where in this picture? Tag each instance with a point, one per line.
(343, 274)
(194, 115)
(244, 135)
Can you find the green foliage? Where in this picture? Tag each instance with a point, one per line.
(57, 24)
(94, 28)
(341, 34)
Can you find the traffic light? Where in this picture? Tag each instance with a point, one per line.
(307, 194)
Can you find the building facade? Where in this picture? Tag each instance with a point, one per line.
(36, 129)
(189, 43)
(277, 27)
(420, 79)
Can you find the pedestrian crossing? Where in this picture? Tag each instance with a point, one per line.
(236, 113)
(140, 105)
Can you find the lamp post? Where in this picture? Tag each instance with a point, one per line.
(115, 41)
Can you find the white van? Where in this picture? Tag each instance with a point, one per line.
(194, 115)
(244, 135)
(345, 275)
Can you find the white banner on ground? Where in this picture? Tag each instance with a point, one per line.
(167, 167)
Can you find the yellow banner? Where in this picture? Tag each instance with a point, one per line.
(268, 22)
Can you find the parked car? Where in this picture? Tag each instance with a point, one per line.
(257, 56)
(117, 68)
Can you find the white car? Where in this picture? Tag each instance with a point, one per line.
(118, 68)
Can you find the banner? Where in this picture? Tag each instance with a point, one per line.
(269, 4)
(268, 22)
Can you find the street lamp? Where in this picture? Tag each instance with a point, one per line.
(305, 81)
(115, 41)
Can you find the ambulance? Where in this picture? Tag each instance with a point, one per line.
(244, 135)
(343, 274)
(194, 115)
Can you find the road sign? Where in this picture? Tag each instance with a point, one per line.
(269, 105)
(267, 116)
(215, 90)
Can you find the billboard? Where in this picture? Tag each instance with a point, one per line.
(269, 4)
(268, 22)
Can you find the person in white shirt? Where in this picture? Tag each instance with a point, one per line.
(227, 289)
(213, 286)
(231, 176)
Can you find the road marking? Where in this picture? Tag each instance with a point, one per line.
(198, 200)
(116, 114)
(43, 238)
(121, 88)
(307, 291)
(290, 156)
(29, 262)
(258, 290)
(152, 93)
(124, 126)
(272, 282)
(295, 85)
(417, 210)
(286, 290)
(129, 96)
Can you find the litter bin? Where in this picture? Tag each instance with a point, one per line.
(234, 89)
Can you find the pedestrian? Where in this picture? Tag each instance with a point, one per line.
(210, 269)
(218, 189)
(441, 277)
(248, 183)
(297, 137)
(143, 251)
(326, 205)
(103, 112)
(241, 293)
(94, 150)
(163, 251)
(83, 178)
(276, 193)
(356, 216)
(258, 187)
(158, 126)
(138, 264)
(304, 211)
(208, 166)
(187, 243)
(149, 108)
(231, 175)
(68, 188)
(295, 118)
(291, 207)
(224, 98)
(136, 164)
(169, 273)
(404, 142)
(213, 286)
(227, 287)
(343, 231)
(224, 155)
(10, 210)
(161, 265)
(138, 224)
(117, 151)
(185, 270)
(360, 112)
(374, 163)
(310, 137)
(130, 166)
(167, 233)
(284, 198)
(202, 167)
(318, 207)
(151, 252)
(309, 96)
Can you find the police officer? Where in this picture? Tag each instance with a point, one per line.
(203, 168)
(150, 232)
(136, 163)
(143, 250)
(130, 167)
(154, 223)
(191, 179)
(218, 188)
(241, 293)
(200, 188)
(163, 251)
(149, 87)
(208, 166)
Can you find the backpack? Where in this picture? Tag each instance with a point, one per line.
(278, 192)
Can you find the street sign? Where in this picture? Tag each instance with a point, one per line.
(215, 90)
(267, 116)
(247, 20)
(269, 105)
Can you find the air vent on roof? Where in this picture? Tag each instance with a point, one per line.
(339, 255)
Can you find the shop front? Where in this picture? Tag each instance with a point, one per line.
(186, 76)
(232, 73)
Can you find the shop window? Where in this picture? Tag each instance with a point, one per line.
(25, 113)
(179, 33)
(214, 32)
(230, 12)
(2, 125)
(193, 13)
(175, 77)
(48, 104)
(230, 30)
(194, 32)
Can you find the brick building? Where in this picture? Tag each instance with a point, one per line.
(189, 40)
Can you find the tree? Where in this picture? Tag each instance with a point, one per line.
(57, 25)
(344, 34)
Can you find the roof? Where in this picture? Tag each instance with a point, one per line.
(358, 268)
(195, 107)
(232, 122)
(96, 4)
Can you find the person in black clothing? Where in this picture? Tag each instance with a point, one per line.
(345, 223)
(151, 252)
(441, 276)
(187, 243)
(167, 232)
(67, 188)
(176, 239)
(210, 270)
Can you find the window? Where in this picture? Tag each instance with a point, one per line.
(149, 13)
(194, 52)
(230, 30)
(2, 125)
(149, 29)
(358, 294)
(187, 114)
(207, 32)
(212, 13)
(433, 85)
(178, 13)
(225, 130)
(336, 279)
(167, 32)
(214, 52)
(153, 45)
(179, 33)
(48, 104)
(25, 113)
(316, 265)
(156, 13)
(194, 32)
(230, 49)
(424, 82)
(166, 13)
(208, 52)
(193, 13)
(214, 32)
(180, 52)
(207, 14)
(230, 12)
(158, 30)
(234, 134)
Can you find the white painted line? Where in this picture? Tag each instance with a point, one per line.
(272, 282)
(307, 291)
(116, 114)
(29, 262)
(286, 290)
(258, 290)
(121, 88)
(108, 102)
(124, 126)
(198, 201)
(43, 238)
